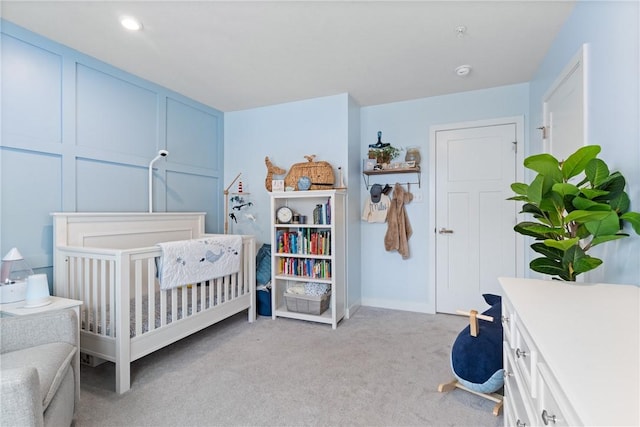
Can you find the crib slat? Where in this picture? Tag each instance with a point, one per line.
(91, 296)
(194, 297)
(185, 301)
(234, 280)
(95, 284)
(137, 296)
(62, 289)
(71, 278)
(219, 295)
(215, 294)
(103, 297)
(151, 295)
(112, 300)
(163, 308)
(77, 287)
(204, 295)
(84, 290)
(174, 304)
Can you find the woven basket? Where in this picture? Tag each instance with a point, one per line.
(309, 304)
(320, 174)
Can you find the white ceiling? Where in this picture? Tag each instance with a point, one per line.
(236, 55)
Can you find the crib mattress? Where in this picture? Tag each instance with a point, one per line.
(96, 327)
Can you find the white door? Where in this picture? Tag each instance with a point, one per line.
(564, 110)
(475, 241)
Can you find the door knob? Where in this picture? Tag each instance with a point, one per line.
(445, 231)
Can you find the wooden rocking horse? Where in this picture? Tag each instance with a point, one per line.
(476, 355)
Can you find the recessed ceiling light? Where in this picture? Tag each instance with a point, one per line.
(130, 23)
(463, 70)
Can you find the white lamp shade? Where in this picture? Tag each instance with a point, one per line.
(14, 268)
(13, 255)
(37, 291)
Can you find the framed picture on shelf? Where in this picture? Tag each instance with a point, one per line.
(277, 185)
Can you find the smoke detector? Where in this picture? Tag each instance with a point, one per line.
(463, 70)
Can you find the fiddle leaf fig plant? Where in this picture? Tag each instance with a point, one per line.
(576, 204)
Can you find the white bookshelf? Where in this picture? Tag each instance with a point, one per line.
(292, 262)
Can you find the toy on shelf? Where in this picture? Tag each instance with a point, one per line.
(271, 171)
(319, 173)
(476, 355)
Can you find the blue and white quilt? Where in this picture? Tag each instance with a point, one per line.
(186, 262)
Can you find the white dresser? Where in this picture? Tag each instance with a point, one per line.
(571, 353)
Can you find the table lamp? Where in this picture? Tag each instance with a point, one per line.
(14, 272)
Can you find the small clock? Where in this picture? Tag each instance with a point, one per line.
(284, 215)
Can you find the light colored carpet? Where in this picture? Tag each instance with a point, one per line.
(379, 368)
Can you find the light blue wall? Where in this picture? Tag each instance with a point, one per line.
(285, 133)
(387, 280)
(611, 31)
(78, 135)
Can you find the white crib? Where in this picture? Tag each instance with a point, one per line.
(108, 260)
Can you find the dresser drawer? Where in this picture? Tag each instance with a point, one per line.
(519, 410)
(552, 407)
(548, 409)
(508, 321)
(525, 356)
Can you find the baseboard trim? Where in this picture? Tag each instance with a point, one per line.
(397, 305)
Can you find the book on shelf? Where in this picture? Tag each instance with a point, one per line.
(305, 267)
(304, 241)
(322, 213)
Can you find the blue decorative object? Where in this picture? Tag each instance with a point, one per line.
(477, 361)
(304, 183)
(263, 265)
(263, 280)
(263, 302)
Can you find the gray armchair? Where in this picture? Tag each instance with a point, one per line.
(39, 371)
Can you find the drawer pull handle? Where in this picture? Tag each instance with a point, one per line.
(520, 423)
(520, 353)
(546, 418)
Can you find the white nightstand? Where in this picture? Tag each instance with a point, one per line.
(57, 303)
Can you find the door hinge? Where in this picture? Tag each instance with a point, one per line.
(515, 146)
(544, 131)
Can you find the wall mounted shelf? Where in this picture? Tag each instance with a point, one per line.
(366, 175)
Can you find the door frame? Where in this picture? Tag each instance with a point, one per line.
(431, 247)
